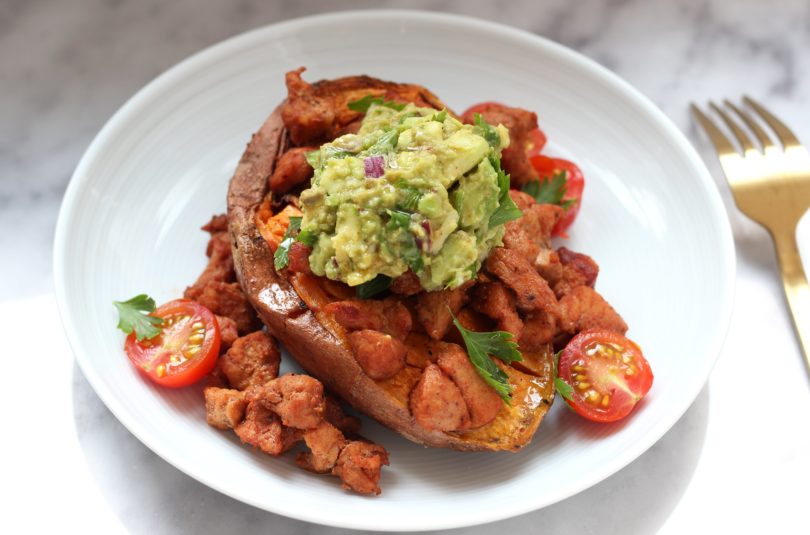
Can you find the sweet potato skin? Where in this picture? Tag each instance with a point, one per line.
(318, 350)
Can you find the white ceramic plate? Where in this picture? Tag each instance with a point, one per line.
(160, 168)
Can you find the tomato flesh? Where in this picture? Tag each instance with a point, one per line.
(607, 372)
(184, 352)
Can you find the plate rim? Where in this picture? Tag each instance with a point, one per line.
(79, 177)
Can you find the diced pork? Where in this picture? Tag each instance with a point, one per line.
(433, 310)
(359, 465)
(498, 302)
(583, 308)
(262, 429)
(577, 270)
(227, 333)
(297, 399)
(539, 329)
(483, 403)
(380, 355)
(252, 360)
(224, 407)
(436, 402)
(389, 316)
(324, 443)
(219, 268)
(532, 291)
(292, 170)
(227, 299)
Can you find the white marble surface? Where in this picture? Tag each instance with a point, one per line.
(739, 459)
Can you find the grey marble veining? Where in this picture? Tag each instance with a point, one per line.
(68, 65)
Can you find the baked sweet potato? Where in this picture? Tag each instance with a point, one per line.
(294, 306)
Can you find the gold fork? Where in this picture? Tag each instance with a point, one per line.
(771, 185)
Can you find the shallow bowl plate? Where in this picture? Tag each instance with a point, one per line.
(159, 169)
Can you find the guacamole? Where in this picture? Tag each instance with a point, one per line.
(413, 189)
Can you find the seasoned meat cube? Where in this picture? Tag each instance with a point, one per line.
(348, 425)
(432, 310)
(262, 429)
(219, 267)
(380, 355)
(228, 300)
(530, 235)
(498, 302)
(483, 403)
(299, 258)
(224, 408)
(533, 292)
(422, 350)
(359, 466)
(436, 402)
(539, 328)
(577, 270)
(406, 284)
(292, 169)
(298, 399)
(583, 308)
(218, 223)
(227, 333)
(324, 443)
(252, 360)
(519, 122)
(389, 316)
(319, 112)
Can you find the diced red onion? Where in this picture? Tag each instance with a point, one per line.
(375, 166)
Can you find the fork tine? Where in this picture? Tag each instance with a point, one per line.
(785, 135)
(721, 143)
(763, 138)
(738, 132)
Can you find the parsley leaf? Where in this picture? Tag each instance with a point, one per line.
(378, 284)
(498, 344)
(487, 130)
(507, 209)
(362, 105)
(550, 191)
(281, 258)
(565, 390)
(132, 317)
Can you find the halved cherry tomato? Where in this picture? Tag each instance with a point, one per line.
(608, 373)
(184, 352)
(546, 167)
(535, 143)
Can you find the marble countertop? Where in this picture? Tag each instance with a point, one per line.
(737, 461)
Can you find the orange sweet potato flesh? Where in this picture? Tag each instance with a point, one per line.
(292, 311)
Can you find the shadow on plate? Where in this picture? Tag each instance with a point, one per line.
(152, 497)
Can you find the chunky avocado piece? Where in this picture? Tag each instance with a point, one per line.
(413, 189)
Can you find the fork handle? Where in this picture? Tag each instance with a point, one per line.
(796, 289)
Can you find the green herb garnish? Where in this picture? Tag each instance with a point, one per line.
(369, 289)
(307, 237)
(487, 130)
(499, 344)
(565, 390)
(408, 250)
(281, 258)
(133, 317)
(410, 196)
(386, 142)
(507, 209)
(441, 116)
(550, 191)
(362, 105)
